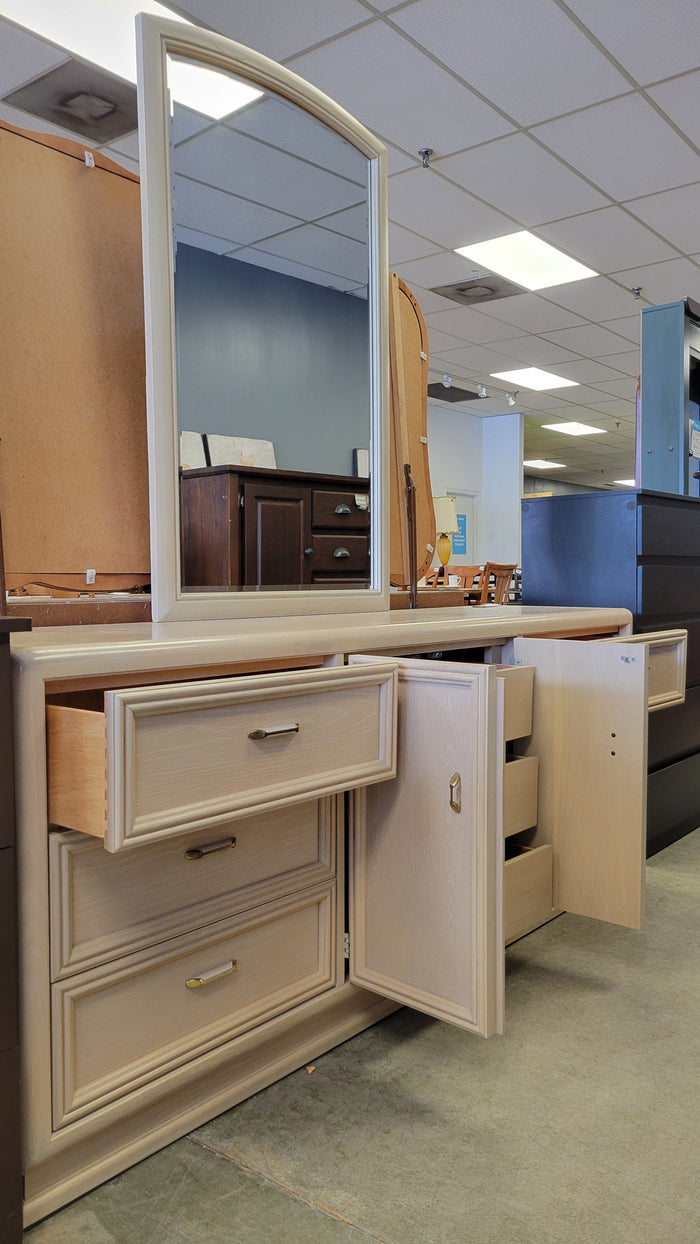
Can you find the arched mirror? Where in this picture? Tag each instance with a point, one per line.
(264, 209)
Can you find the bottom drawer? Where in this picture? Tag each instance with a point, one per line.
(115, 1030)
(527, 892)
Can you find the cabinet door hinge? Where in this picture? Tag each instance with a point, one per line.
(346, 946)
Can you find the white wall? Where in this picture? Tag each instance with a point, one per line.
(501, 489)
(482, 459)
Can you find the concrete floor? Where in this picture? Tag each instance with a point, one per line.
(581, 1124)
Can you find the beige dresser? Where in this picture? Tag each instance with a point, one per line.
(186, 794)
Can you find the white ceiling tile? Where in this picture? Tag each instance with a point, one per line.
(588, 339)
(479, 360)
(532, 313)
(629, 362)
(222, 215)
(502, 50)
(518, 177)
(607, 241)
(619, 388)
(441, 342)
(615, 407)
(426, 299)
(232, 162)
(679, 99)
(472, 325)
(277, 123)
(597, 299)
(589, 371)
(664, 282)
(352, 222)
(128, 145)
(673, 213)
(610, 144)
(288, 267)
(202, 241)
(651, 40)
(585, 394)
(626, 326)
(405, 245)
(415, 104)
(398, 161)
(316, 247)
(423, 201)
(24, 57)
(537, 352)
(277, 30)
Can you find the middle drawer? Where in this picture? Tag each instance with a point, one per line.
(104, 906)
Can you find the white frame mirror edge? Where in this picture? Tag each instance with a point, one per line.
(155, 38)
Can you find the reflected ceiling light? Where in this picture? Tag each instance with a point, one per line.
(542, 465)
(534, 378)
(510, 397)
(628, 483)
(108, 39)
(524, 258)
(574, 429)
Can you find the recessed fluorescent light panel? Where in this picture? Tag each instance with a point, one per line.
(529, 261)
(542, 465)
(574, 429)
(628, 483)
(534, 378)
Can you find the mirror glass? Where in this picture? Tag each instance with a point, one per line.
(270, 237)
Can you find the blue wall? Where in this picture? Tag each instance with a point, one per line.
(266, 355)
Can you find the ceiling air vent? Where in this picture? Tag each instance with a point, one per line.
(450, 393)
(81, 98)
(483, 288)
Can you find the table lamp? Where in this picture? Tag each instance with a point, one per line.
(446, 524)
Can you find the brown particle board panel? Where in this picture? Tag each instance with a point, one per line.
(73, 457)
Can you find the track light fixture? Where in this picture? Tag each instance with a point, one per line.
(481, 390)
(447, 381)
(510, 397)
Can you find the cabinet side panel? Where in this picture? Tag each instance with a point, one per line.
(590, 733)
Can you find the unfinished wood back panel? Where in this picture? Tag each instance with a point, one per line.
(408, 349)
(73, 457)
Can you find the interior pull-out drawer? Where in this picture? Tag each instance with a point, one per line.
(117, 1029)
(104, 906)
(520, 794)
(527, 891)
(165, 760)
(518, 684)
(666, 658)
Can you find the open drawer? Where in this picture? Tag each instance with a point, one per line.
(164, 760)
(666, 660)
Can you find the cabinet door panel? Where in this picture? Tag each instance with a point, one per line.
(277, 534)
(425, 878)
(590, 732)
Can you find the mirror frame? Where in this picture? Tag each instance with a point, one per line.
(155, 40)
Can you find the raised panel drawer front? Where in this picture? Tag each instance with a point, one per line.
(104, 906)
(185, 756)
(116, 1029)
(666, 660)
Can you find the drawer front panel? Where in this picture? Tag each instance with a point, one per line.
(666, 659)
(114, 1031)
(104, 906)
(182, 757)
(527, 892)
(338, 511)
(341, 553)
(518, 681)
(520, 795)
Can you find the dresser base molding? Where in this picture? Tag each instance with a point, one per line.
(144, 1122)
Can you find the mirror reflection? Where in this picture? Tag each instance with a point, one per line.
(271, 241)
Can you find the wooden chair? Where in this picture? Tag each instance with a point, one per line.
(496, 592)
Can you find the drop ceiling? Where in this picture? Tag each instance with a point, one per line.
(579, 121)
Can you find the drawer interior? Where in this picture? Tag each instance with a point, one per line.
(527, 890)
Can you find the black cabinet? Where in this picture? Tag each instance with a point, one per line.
(639, 550)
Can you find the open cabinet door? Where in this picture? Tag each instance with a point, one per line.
(589, 731)
(426, 863)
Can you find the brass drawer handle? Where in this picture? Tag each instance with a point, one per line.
(343, 509)
(197, 853)
(341, 553)
(456, 792)
(216, 974)
(273, 730)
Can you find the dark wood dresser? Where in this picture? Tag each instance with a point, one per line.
(255, 528)
(10, 1156)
